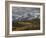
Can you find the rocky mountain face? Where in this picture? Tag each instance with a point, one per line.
(24, 18)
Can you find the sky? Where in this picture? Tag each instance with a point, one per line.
(25, 11)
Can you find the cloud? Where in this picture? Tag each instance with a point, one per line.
(24, 11)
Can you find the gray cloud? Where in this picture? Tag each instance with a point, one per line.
(24, 11)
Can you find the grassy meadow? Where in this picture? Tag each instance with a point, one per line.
(33, 24)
